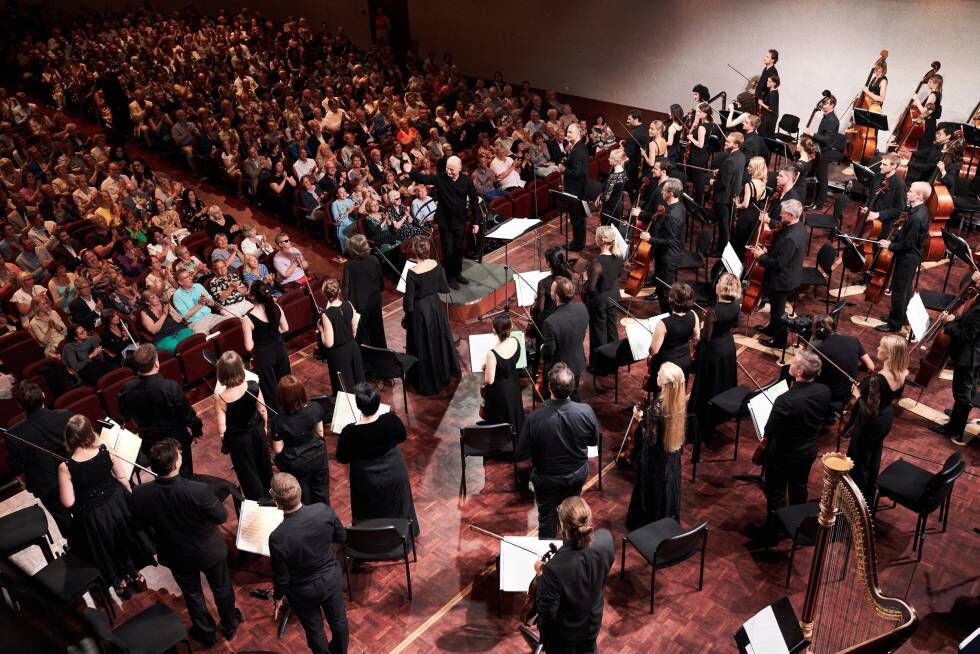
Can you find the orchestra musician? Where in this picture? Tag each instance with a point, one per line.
(658, 144)
(728, 182)
(931, 108)
(768, 70)
(698, 149)
(831, 142)
(564, 330)
(601, 284)
(667, 238)
(789, 183)
(907, 248)
(676, 131)
(769, 106)
(846, 354)
(887, 205)
(699, 94)
(784, 269)
(749, 204)
(791, 433)
(753, 145)
(575, 169)
(717, 370)
(924, 160)
(673, 336)
(877, 86)
(610, 201)
(635, 146)
(647, 203)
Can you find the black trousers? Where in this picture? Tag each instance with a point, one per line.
(723, 217)
(552, 490)
(964, 381)
(699, 178)
(777, 311)
(577, 217)
(314, 483)
(323, 596)
(271, 365)
(786, 473)
(827, 156)
(603, 326)
(451, 240)
(61, 515)
(219, 579)
(665, 270)
(902, 279)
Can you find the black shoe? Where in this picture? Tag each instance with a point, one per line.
(886, 328)
(773, 343)
(453, 285)
(206, 639)
(763, 329)
(883, 318)
(812, 207)
(461, 280)
(229, 632)
(941, 429)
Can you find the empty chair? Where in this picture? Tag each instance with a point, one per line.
(25, 528)
(170, 367)
(486, 441)
(502, 206)
(20, 354)
(523, 203)
(665, 543)
(230, 337)
(697, 259)
(799, 521)
(70, 577)
(86, 402)
(828, 222)
(379, 539)
(190, 354)
(109, 386)
(388, 364)
(788, 127)
(154, 630)
(298, 309)
(819, 275)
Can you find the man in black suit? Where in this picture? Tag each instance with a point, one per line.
(965, 355)
(305, 569)
(768, 70)
(635, 146)
(159, 408)
(667, 237)
(554, 442)
(728, 183)
(831, 143)
(646, 205)
(789, 183)
(887, 201)
(906, 247)
(453, 192)
(37, 470)
(569, 593)
(576, 174)
(794, 424)
(923, 162)
(784, 269)
(86, 309)
(66, 250)
(184, 516)
(564, 330)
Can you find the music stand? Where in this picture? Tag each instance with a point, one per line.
(872, 119)
(779, 147)
(971, 135)
(697, 210)
(566, 203)
(763, 631)
(507, 231)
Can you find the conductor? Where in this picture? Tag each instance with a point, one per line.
(452, 192)
(576, 173)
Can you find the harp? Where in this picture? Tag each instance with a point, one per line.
(844, 610)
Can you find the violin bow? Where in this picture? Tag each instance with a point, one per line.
(825, 358)
(502, 539)
(28, 443)
(343, 387)
(757, 385)
(629, 314)
(625, 435)
(741, 74)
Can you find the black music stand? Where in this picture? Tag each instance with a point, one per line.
(779, 148)
(872, 119)
(566, 203)
(788, 624)
(971, 135)
(697, 210)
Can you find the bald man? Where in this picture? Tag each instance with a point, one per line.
(907, 249)
(454, 194)
(575, 169)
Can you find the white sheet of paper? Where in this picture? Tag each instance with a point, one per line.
(345, 412)
(480, 344)
(526, 284)
(593, 451)
(760, 407)
(764, 633)
(512, 228)
(917, 316)
(517, 565)
(639, 333)
(731, 261)
(255, 525)
(124, 443)
(249, 376)
(404, 276)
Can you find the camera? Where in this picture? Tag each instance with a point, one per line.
(799, 324)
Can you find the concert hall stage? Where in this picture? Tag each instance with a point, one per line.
(489, 285)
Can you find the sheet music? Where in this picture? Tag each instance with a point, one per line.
(480, 344)
(760, 407)
(639, 333)
(731, 261)
(512, 228)
(124, 444)
(255, 525)
(526, 284)
(764, 633)
(402, 283)
(345, 412)
(517, 565)
(917, 316)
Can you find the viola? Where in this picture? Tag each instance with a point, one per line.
(862, 142)
(529, 612)
(625, 455)
(642, 260)
(483, 401)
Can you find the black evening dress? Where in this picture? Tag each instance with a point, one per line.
(345, 355)
(428, 334)
(303, 455)
(676, 347)
(870, 430)
(612, 199)
(716, 367)
(270, 356)
(503, 401)
(657, 485)
(102, 530)
(768, 125)
(747, 219)
(601, 291)
(363, 281)
(379, 485)
(245, 444)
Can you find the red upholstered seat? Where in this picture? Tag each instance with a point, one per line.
(190, 354)
(502, 206)
(523, 203)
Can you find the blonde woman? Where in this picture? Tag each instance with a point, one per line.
(610, 201)
(873, 415)
(659, 441)
(749, 204)
(716, 367)
(601, 289)
(658, 144)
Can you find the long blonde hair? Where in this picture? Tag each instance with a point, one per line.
(606, 235)
(673, 400)
(758, 169)
(896, 355)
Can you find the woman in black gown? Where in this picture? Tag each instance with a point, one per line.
(242, 425)
(544, 304)
(502, 391)
(873, 415)
(716, 367)
(610, 201)
(428, 335)
(674, 335)
(750, 205)
(601, 286)
(659, 442)
(264, 325)
(699, 152)
(338, 324)
(379, 485)
(769, 107)
(94, 486)
(297, 440)
(362, 283)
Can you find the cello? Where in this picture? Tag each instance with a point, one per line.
(940, 204)
(869, 231)
(881, 269)
(938, 352)
(762, 236)
(642, 260)
(862, 142)
(911, 122)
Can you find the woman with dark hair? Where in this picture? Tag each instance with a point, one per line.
(428, 335)
(362, 284)
(84, 355)
(676, 132)
(162, 322)
(242, 425)
(94, 485)
(297, 440)
(544, 303)
(672, 336)
(379, 483)
(502, 390)
(193, 211)
(264, 327)
(337, 327)
(114, 336)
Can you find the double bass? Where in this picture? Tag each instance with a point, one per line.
(911, 123)
(862, 142)
(642, 260)
(940, 204)
(881, 267)
(870, 230)
(938, 352)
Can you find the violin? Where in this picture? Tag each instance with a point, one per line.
(642, 260)
(529, 612)
(625, 455)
